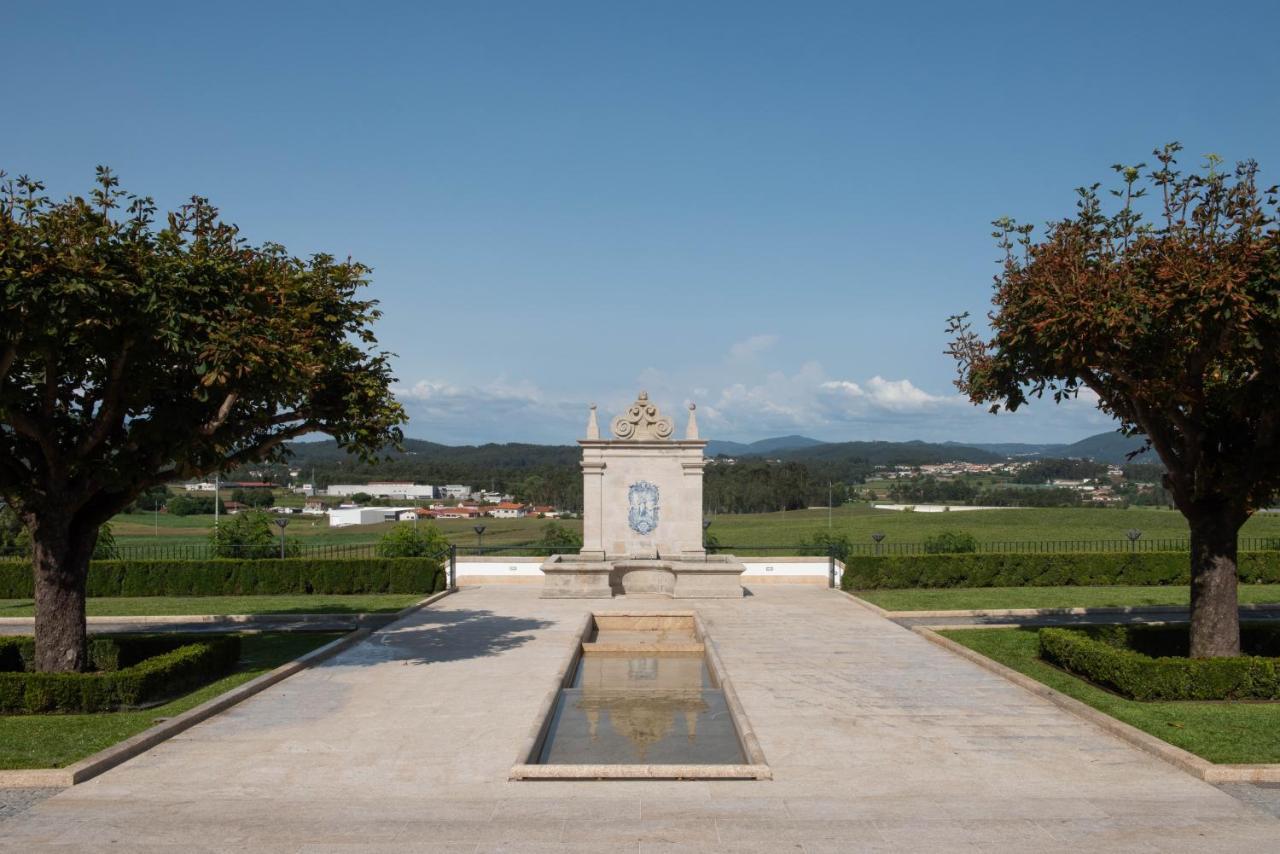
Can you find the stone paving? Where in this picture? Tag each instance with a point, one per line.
(878, 740)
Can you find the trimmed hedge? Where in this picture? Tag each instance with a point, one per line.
(1109, 659)
(230, 577)
(158, 667)
(1041, 570)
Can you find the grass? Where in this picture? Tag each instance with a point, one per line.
(55, 741)
(975, 598)
(153, 606)
(1222, 732)
(858, 521)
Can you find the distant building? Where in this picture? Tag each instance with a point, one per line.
(314, 507)
(508, 510)
(454, 512)
(455, 491)
(394, 489)
(342, 517)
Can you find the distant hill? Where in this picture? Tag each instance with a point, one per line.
(890, 453)
(716, 447)
(1110, 448)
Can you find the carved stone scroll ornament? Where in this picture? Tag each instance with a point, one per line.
(642, 421)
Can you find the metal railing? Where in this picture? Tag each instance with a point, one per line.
(204, 551)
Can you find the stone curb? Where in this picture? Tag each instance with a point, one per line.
(104, 760)
(1176, 756)
(875, 609)
(1065, 612)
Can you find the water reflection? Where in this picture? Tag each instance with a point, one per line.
(659, 709)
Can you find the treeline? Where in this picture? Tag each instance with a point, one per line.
(1043, 471)
(756, 486)
(930, 490)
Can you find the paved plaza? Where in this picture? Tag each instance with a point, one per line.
(878, 741)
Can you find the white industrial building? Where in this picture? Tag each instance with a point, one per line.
(402, 489)
(341, 517)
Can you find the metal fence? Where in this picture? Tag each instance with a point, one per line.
(202, 551)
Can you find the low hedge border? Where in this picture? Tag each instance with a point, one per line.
(1040, 570)
(175, 664)
(1104, 661)
(230, 577)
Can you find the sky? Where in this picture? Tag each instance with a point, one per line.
(769, 209)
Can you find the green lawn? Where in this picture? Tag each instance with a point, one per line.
(1219, 731)
(54, 741)
(975, 598)
(153, 606)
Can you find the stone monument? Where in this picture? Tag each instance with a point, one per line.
(642, 515)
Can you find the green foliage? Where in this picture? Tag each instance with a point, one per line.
(560, 537)
(250, 535)
(153, 498)
(243, 577)
(136, 671)
(254, 497)
(409, 540)
(1039, 570)
(361, 498)
(950, 543)
(105, 548)
(1109, 659)
(192, 505)
(829, 543)
(14, 539)
(1043, 471)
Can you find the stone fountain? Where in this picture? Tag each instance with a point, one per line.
(642, 516)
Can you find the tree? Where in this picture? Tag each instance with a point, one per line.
(193, 505)
(361, 498)
(405, 540)
(250, 535)
(255, 497)
(560, 537)
(134, 354)
(1166, 309)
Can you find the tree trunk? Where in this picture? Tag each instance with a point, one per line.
(60, 555)
(1215, 611)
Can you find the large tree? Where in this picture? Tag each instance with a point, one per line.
(133, 353)
(1166, 304)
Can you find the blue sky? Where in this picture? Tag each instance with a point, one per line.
(767, 208)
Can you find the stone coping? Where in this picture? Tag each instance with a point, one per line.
(108, 758)
(1185, 760)
(525, 768)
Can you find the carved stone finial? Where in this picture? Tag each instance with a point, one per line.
(642, 421)
(593, 429)
(691, 432)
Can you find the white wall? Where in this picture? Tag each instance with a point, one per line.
(491, 569)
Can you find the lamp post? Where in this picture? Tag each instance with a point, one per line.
(479, 529)
(879, 538)
(281, 522)
(1133, 534)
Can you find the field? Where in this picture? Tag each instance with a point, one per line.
(858, 521)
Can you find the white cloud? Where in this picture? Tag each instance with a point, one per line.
(893, 395)
(749, 348)
(741, 400)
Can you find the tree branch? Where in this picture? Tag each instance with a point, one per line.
(110, 411)
(211, 427)
(24, 426)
